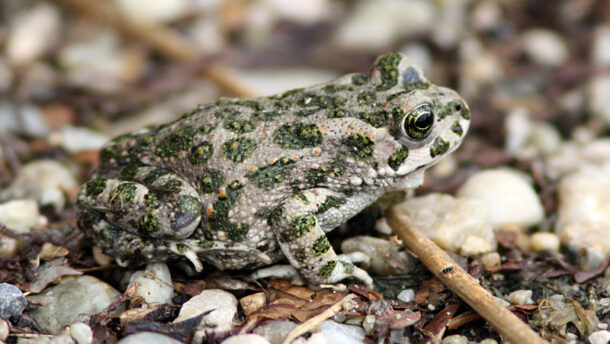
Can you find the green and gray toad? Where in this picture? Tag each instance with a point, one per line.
(242, 183)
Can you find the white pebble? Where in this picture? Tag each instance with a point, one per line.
(80, 332)
(222, 304)
(77, 139)
(154, 283)
(8, 246)
(44, 180)
(597, 93)
(545, 47)
(148, 338)
(490, 259)
(600, 53)
(158, 11)
(341, 333)
(544, 241)
(474, 246)
(4, 330)
(521, 297)
(448, 221)
(599, 337)
(406, 295)
(386, 257)
(455, 339)
(508, 196)
(21, 215)
(249, 338)
(32, 33)
(375, 24)
(486, 15)
(584, 214)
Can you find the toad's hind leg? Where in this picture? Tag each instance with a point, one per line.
(146, 201)
(304, 243)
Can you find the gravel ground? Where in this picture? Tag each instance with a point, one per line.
(523, 205)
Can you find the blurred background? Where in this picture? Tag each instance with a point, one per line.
(536, 74)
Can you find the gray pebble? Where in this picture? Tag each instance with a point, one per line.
(12, 301)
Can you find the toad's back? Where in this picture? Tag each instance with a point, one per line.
(233, 182)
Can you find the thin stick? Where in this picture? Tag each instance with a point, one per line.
(164, 41)
(318, 319)
(461, 283)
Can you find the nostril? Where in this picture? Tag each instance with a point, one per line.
(457, 107)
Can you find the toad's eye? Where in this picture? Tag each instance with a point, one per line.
(418, 123)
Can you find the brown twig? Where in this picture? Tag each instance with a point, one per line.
(461, 283)
(318, 319)
(163, 40)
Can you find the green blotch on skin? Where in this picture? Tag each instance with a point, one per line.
(305, 113)
(320, 175)
(190, 205)
(327, 269)
(298, 136)
(387, 65)
(347, 267)
(95, 187)
(330, 202)
(227, 113)
(219, 219)
(443, 111)
(268, 176)
(376, 119)
(130, 171)
(206, 128)
(172, 185)
(282, 105)
(147, 224)
(266, 116)
(271, 214)
(361, 146)
(206, 243)
(201, 153)
(300, 256)
(238, 149)
(321, 101)
(438, 147)
(211, 180)
(457, 128)
(125, 192)
(398, 157)
(177, 141)
(367, 98)
(291, 93)
(320, 246)
(337, 113)
(154, 175)
(359, 79)
(151, 201)
(240, 126)
(302, 225)
(334, 88)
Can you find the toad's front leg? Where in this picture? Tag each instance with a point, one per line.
(305, 244)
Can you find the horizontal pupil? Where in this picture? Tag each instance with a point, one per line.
(423, 121)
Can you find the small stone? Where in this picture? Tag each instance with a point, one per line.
(490, 260)
(32, 33)
(486, 15)
(545, 47)
(584, 214)
(474, 246)
(544, 241)
(4, 329)
(8, 246)
(223, 304)
(246, 339)
(407, 295)
(21, 215)
(508, 196)
(77, 139)
(12, 301)
(448, 221)
(600, 53)
(599, 337)
(455, 339)
(64, 303)
(275, 331)
(341, 333)
(43, 180)
(23, 119)
(100, 257)
(521, 297)
(386, 257)
(376, 24)
(158, 11)
(80, 332)
(154, 283)
(597, 93)
(253, 302)
(489, 341)
(148, 338)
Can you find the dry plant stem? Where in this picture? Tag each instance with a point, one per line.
(317, 320)
(461, 283)
(164, 41)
